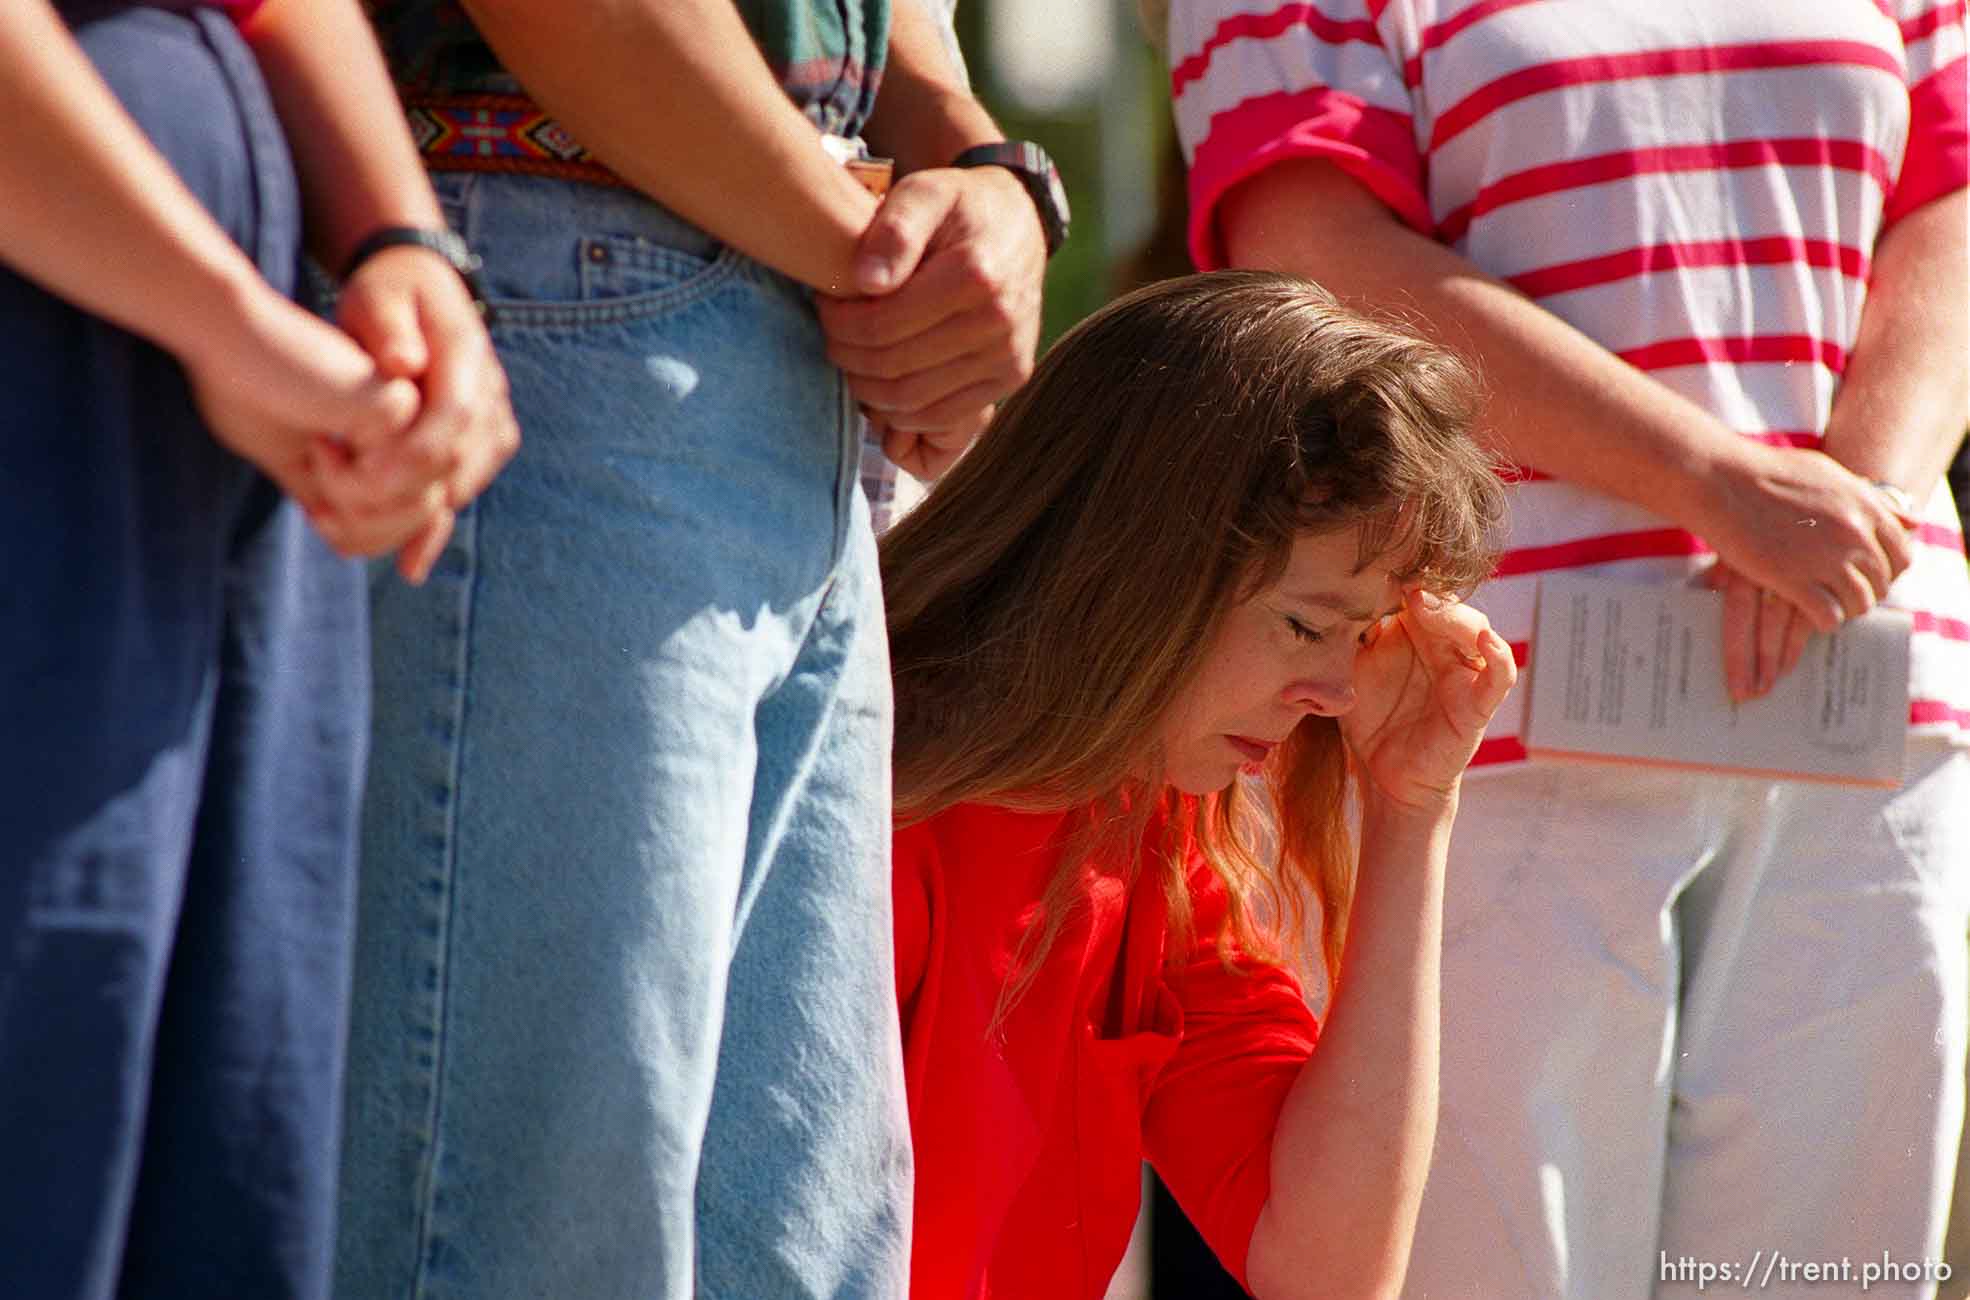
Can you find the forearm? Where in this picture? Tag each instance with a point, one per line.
(925, 116)
(676, 98)
(1352, 1150)
(1555, 399)
(1904, 400)
(357, 166)
(118, 234)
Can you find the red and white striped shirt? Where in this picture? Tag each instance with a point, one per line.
(1696, 185)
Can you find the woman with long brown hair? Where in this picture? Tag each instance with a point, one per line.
(1222, 529)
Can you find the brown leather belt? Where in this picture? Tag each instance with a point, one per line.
(510, 133)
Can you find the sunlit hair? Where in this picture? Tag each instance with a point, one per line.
(1053, 594)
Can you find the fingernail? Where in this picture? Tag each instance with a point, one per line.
(874, 272)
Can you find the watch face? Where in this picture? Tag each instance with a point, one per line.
(1058, 192)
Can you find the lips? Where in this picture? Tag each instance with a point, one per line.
(1255, 751)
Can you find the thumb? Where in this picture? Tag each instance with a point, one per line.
(890, 249)
(377, 412)
(383, 319)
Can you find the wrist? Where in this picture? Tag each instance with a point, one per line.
(818, 245)
(1422, 817)
(335, 231)
(434, 241)
(222, 313)
(1893, 477)
(943, 124)
(1708, 497)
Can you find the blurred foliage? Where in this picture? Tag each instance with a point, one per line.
(1088, 270)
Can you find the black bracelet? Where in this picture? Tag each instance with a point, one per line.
(442, 242)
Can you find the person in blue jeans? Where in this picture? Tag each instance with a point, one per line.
(183, 681)
(625, 1017)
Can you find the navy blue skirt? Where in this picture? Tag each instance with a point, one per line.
(183, 711)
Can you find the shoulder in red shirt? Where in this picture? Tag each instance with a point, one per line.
(1030, 1137)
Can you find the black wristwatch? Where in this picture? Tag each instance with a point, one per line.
(443, 242)
(1036, 172)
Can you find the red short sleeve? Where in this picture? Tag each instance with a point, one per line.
(1937, 160)
(1253, 86)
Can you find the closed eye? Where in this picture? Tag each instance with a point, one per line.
(1304, 633)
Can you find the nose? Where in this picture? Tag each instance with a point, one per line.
(1327, 697)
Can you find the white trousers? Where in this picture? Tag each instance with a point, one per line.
(1695, 1023)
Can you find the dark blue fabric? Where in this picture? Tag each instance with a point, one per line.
(183, 707)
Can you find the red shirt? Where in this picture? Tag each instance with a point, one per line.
(1029, 1143)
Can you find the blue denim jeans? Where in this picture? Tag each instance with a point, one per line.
(183, 705)
(626, 1018)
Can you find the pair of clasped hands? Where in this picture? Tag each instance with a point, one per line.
(1808, 546)
(381, 430)
(949, 272)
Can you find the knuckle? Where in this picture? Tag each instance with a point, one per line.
(451, 411)
(890, 233)
(870, 391)
(1003, 316)
(974, 274)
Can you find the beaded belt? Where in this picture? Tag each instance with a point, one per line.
(510, 133)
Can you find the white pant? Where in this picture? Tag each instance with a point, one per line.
(1703, 1019)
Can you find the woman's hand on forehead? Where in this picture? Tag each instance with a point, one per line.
(1426, 683)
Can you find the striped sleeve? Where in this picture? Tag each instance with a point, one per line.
(1256, 82)
(1937, 161)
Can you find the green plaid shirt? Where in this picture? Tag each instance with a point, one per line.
(828, 54)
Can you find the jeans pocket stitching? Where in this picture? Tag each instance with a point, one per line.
(728, 265)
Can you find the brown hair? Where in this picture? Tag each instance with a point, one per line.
(1052, 595)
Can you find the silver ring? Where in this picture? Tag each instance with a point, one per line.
(1898, 498)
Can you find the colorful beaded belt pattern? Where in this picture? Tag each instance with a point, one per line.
(510, 133)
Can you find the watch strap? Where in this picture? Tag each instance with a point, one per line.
(1036, 172)
(444, 243)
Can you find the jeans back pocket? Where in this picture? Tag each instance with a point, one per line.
(640, 275)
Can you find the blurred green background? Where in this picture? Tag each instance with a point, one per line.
(1079, 78)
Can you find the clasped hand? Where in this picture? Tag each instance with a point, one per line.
(950, 270)
(1809, 545)
(1426, 684)
(380, 433)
